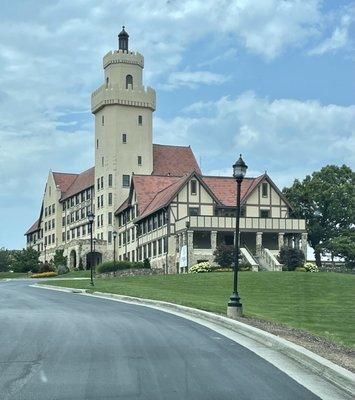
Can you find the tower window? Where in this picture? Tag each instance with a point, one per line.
(193, 187)
(125, 180)
(102, 120)
(139, 160)
(140, 120)
(107, 80)
(97, 143)
(124, 138)
(129, 82)
(102, 161)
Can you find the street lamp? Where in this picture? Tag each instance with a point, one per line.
(187, 224)
(114, 234)
(235, 308)
(91, 218)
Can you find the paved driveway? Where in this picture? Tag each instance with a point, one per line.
(60, 346)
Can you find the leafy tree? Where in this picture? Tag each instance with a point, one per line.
(291, 258)
(224, 255)
(25, 260)
(5, 260)
(326, 201)
(344, 246)
(59, 259)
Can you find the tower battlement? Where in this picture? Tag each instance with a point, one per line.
(123, 57)
(115, 94)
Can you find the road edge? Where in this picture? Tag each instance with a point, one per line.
(339, 376)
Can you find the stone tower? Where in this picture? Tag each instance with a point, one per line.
(123, 110)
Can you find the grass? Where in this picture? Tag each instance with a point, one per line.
(5, 275)
(76, 274)
(320, 303)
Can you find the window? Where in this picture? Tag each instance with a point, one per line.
(102, 120)
(264, 189)
(78, 232)
(53, 208)
(242, 211)
(73, 234)
(125, 180)
(68, 235)
(102, 182)
(49, 225)
(109, 218)
(193, 187)
(102, 161)
(264, 213)
(45, 226)
(63, 221)
(72, 216)
(49, 210)
(64, 206)
(97, 143)
(194, 211)
(139, 160)
(77, 199)
(53, 223)
(124, 138)
(49, 239)
(68, 219)
(102, 219)
(63, 236)
(110, 199)
(88, 194)
(154, 249)
(82, 213)
(82, 196)
(107, 81)
(120, 239)
(129, 82)
(45, 212)
(77, 215)
(109, 237)
(140, 120)
(53, 238)
(110, 180)
(84, 229)
(102, 200)
(72, 202)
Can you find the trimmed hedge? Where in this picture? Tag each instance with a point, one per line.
(110, 266)
(44, 275)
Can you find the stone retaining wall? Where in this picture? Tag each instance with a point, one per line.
(133, 272)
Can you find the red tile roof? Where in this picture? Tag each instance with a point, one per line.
(174, 160)
(63, 180)
(83, 181)
(225, 188)
(34, 228)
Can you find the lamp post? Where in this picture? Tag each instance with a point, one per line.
(114, 234)
(45, 253)
(187, 224)
(235, 308)
(91, 218)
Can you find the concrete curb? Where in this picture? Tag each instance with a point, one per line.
(335, 374)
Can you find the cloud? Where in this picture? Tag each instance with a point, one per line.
(193, 79)
(288, 137)
(340, 37)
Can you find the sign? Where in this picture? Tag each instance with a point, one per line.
(183, 257)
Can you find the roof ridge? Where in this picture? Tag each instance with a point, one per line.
(172, 145)
(65, 173)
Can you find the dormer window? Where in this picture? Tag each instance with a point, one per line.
(264, 188)
(129, 82)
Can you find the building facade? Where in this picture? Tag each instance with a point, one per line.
(153, 197)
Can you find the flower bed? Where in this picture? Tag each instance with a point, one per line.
(44, 275)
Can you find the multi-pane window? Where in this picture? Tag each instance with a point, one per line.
(264, 213)
(125, 180)
(98, 183)
(82, 196)
(110, 199)
(102, 200)
(53, 238)
(124, 138)
(73, 233)
(102, 182)
(109, 237)
(77, 199)
(194, 211)
(110, 180)
(82, 213)
(77, 215)
(109, 218)
(140, 120)
(139, 160)
(53, 208)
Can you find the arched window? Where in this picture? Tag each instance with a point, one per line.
(129, 82)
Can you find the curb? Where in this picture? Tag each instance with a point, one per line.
(335, 374)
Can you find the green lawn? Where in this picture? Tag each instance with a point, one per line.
(5, 275)
(76, 274)
(321, 303)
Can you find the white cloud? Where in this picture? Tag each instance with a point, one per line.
(340, 37)
(193, 79)
(287, 137)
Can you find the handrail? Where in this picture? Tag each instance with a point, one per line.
(270, 259)
(251, 254)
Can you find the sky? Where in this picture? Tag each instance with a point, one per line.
(271, 79)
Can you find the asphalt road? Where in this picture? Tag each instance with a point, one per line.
(60, 346)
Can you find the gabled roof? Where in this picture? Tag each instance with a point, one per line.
(173, 160)
(63, 180)
(34, 228)
(83, 181)
(225, 188)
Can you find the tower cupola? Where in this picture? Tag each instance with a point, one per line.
(123, 40)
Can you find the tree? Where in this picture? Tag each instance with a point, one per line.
(291, 258)
(59, 259)
(224, 255)
(326, 201)
(26, 260)
(5, 260)
(344, 246)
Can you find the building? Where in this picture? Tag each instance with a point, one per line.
(153, 197)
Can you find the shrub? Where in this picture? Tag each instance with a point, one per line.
(201, 267)
(45, 267)
(291, 258)
(59, 259)
(81, 265)
(224, 255)
(62, 269)
(300, 269)
(244, 266)
(146, 263)
(310, 267)
(44, 275)
(110, 266)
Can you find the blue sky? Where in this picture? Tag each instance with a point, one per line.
(271, 79)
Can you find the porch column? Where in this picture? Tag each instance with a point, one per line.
(304, 237)
(281, 239)
(213, 241)
(190, 248)
(259, 242)
(297, 241)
